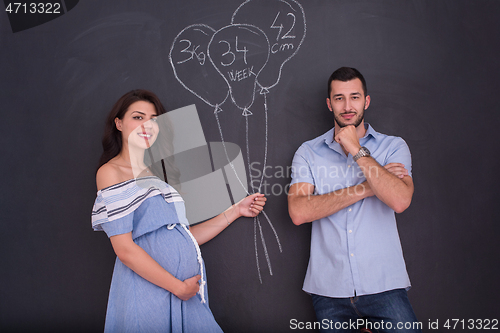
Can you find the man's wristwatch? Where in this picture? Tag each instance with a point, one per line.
(363, 152)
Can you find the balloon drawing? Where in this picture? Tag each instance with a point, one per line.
(237, 61)
(192, 68)
(286, 32)
(239, 52)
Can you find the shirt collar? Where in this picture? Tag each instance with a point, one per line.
(370, 133)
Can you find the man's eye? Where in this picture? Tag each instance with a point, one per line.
(154, 119)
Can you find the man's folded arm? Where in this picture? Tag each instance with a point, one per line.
(304, 206)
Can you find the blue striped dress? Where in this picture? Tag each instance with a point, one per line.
(154, 212)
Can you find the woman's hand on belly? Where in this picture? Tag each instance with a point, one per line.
(188, 288)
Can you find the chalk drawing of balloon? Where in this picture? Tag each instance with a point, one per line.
(239, 52)
(284, 23)
(189, 59)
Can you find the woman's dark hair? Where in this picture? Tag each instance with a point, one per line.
(345, 74)
(112, 138)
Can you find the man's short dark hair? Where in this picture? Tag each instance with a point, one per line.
(345, 74)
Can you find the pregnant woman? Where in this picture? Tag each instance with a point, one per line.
(158, 282)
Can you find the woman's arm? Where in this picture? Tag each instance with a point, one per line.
(250, 206)
(138, 260)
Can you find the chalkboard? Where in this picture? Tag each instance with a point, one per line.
(256, 72)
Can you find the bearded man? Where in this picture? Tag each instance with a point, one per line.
(350, 182)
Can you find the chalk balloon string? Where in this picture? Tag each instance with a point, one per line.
(257, 222)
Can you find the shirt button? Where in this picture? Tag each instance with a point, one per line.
(350, 209)
(349, 166)
(352, 254)
(350, 231)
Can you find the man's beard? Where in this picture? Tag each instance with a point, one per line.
(338, 120)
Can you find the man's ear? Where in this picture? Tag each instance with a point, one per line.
(367, 101)
(329, 104)
(118, 124)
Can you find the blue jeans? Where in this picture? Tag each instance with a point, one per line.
(389, 311)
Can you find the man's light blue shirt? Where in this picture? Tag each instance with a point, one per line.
(357, 250)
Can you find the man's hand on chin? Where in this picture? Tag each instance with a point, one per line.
(348, 139)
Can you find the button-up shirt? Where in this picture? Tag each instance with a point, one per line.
(357, 250)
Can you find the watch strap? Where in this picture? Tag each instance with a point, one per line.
(363, 152)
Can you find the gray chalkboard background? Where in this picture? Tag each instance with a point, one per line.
(432, 70)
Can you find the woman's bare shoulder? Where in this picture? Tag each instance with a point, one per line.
(108, 174)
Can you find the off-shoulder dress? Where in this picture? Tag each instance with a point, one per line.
(155, 214)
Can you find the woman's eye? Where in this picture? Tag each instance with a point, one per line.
(138, 117)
